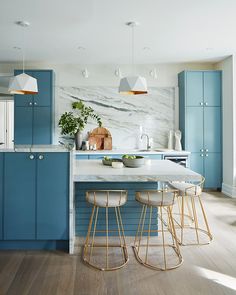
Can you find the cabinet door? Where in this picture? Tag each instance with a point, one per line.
(196, 163)
(42, 125)
(23, 125)
(194, 88)
(212, 88)
(194, 129)
(212, 129)
(23, 100)
(44, 96)
(212, 168)
(19, 197)
(52, 196)
(1, 195)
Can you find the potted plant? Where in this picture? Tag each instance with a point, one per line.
(73, 123)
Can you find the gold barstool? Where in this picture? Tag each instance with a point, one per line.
(105, 199)
(161, 251)
(188, 194)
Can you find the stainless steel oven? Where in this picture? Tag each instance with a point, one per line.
(180, 160)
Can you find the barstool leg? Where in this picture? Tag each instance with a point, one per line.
(94, 231)
(89, 231)
(149, 230)
(195, 218)
(205, 218)
(143, 222)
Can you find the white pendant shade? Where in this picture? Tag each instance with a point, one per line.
(23, 84)
(133, 85)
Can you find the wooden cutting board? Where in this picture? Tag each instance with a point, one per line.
(101, 137)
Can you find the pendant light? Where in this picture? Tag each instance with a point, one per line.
(133, 84)
(23, 83)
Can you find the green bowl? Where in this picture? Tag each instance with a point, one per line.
(134, 163)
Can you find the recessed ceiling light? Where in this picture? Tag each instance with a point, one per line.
(22, 23)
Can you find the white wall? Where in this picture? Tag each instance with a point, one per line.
(229, 127)
(103, 75)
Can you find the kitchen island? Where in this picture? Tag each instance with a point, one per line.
(89, 175)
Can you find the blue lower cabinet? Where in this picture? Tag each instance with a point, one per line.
(212, 168)
(197, 163)
(52, 196)
(19, 196)
(1, 196)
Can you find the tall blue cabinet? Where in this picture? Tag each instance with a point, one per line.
(200, 121)
(33, 113)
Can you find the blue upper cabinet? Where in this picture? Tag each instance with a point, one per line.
(200, 122)
(45, 82)
(194, 88)
(19, 196)
(33, 113)
(1, 196)
(52, 196)
(212, 88)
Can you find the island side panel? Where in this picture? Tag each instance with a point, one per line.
(130, 211)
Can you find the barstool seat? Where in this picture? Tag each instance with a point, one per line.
(187, 188)
(107, 198)
(154, 198)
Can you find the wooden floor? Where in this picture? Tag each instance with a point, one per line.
(206, 270)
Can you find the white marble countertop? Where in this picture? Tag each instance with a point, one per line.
(135, 151)
(156, 170)
(36, 149)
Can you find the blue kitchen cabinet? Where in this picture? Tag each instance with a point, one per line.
(1, 196)
(194, 133)
(194, 88)
(19, 196)
(45, 88)
(196, 162)
(23, 128)
(33, 113)
(36, 198)
(42, 125)
(52, 196)
(212, 129)
(200, 121)
(212, 88)
(212, 170)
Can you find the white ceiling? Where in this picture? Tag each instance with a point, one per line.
(175, 30)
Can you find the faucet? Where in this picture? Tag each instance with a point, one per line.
(148, 141)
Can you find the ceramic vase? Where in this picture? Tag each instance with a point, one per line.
(178, 146)
(78, 140)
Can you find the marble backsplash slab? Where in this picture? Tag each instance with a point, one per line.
(124, 115)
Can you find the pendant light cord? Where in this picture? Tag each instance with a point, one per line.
(132, 48)
(23, 49)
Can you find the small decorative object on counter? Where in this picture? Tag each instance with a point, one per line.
(178, 146)
(171, 140)
(107, 161)
(87, 145)
(101, 137)
(117, 165)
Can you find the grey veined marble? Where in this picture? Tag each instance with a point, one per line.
(125, 116)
